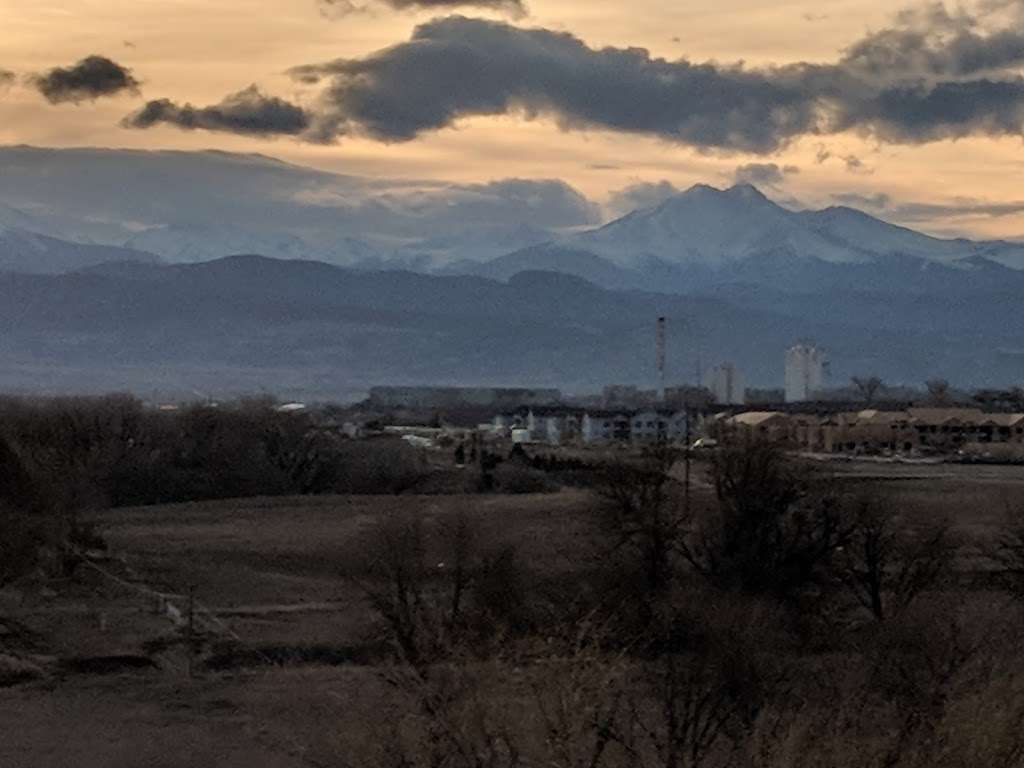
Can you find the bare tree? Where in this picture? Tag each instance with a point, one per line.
(939, 393)
(438, 589)
(1007, 552)
(776, 527)
(642, 518)
(867, 387)
(886, 565)
(24, 525)
(698, 702)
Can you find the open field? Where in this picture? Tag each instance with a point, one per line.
(975, 498)
(273, 571)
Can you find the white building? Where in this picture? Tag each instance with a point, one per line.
(643, 426)
(726, 384)
(654, 426)
(605, 426)
(554, 426)
(805, 372)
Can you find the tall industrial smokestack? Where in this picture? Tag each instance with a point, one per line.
(660, 351)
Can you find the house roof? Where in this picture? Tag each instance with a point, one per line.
(756, 418)
(882, 418)
(1004, 419)
(939, 416)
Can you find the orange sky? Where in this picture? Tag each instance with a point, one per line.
(198, 51)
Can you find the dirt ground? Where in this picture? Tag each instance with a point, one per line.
(272, 572)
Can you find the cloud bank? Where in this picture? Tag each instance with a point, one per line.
(254, 193)
(91, 78)
(962, 207)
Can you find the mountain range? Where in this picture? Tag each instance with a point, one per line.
(158, 297)
(307, 330)
(706, 238)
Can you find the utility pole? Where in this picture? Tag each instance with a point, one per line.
(191, 629)
(687, 463)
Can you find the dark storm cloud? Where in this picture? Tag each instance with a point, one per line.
(511, 7)
(922, 112)
(457, 67)
(88, 80)
(248, 112)
(6, 79)
(768, 174)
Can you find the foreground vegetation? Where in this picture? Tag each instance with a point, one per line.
(790, 621)
(767, 615)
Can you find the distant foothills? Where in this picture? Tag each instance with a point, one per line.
(217, 274)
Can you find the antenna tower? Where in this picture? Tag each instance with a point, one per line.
(660, 352)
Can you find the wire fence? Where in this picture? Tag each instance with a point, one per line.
(191, 618)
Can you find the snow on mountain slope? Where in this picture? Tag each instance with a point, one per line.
(12, 218)
(552, 258)
(189, 243)
(850, 227)
(192, 242)
(712, 227)
(716, 228)
(29, 252)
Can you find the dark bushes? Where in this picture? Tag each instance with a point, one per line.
(92, 452)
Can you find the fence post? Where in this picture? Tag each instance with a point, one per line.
(191, 629)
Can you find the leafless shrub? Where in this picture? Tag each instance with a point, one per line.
(24, 528)
(439, 589)
(1007, 552)
(699, 702)
(375, 467)
(513, 477)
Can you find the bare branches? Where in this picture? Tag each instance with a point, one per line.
(1007, 552)
(775, 529)
(885, 565)
(867, 387)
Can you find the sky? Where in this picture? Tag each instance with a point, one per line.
(912, 113)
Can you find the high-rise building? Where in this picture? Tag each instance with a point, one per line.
(726, 384)
(805, 372)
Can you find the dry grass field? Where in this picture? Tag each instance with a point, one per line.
(273, 571)
(974, 498)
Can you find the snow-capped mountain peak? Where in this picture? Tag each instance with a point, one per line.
(709, 227)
